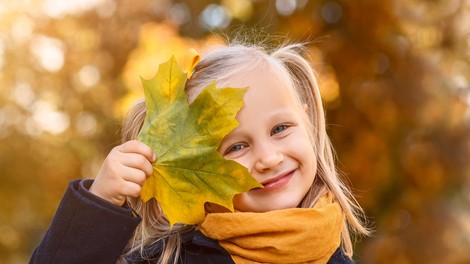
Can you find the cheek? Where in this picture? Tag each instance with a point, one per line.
(300, 144)
(301, 148)
(310, 160)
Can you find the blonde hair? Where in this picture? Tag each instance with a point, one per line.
(221, 65)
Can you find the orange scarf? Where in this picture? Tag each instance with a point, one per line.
(296, 235)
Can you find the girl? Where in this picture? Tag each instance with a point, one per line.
(304, 213)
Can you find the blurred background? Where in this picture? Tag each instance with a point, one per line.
(394, 75)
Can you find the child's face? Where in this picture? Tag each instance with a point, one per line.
(272, 142)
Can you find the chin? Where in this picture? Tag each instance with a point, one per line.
(286, 206)
(278, 206)
(265, 205)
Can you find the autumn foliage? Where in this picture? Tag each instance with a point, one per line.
(394, 77)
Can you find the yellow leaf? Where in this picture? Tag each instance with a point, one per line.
(191, 60)
(189, 171)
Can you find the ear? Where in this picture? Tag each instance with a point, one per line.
(305, 106)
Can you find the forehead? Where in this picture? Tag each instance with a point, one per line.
(256, 71)
(269, 85)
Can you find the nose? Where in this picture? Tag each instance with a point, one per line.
(267, 157)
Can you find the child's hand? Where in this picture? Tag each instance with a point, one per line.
(124, 172)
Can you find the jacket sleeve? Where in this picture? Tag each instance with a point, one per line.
(86, 229)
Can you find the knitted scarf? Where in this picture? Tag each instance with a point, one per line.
(296, 235)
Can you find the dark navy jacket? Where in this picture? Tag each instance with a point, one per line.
(88, 229)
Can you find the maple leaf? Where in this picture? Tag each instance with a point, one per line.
(189, 171)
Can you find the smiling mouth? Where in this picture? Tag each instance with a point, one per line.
(277, 182)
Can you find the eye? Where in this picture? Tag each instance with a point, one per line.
(278, 129)
(234, 148)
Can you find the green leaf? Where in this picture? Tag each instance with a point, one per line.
(189, 171)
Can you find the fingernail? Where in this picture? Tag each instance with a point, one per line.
(154, 157)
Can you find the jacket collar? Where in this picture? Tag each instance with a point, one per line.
(197, 238)
(192, 237)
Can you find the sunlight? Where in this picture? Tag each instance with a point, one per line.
(59, 8)
(285, 7)
(46, 118)
(2, 52)
(22, 29)
(215, 16)
(48, 52)
(89, 76)
(23, 95)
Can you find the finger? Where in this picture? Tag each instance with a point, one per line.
(137, 161)
(135, 176)
(135, 146)
(131, 189)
